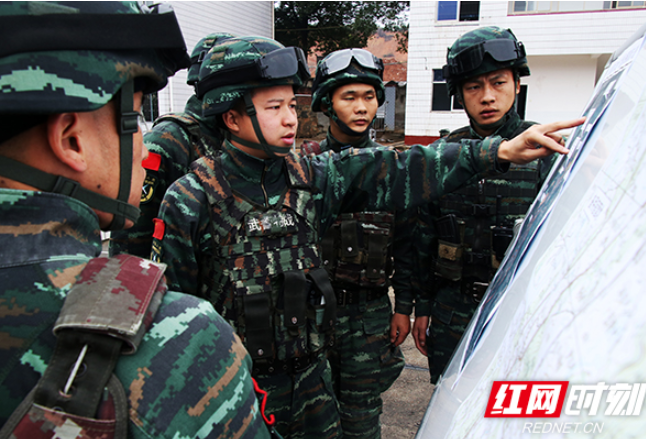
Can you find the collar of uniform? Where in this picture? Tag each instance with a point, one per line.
(33, 223)
(237, 163)
(506, 130)
(331, 143)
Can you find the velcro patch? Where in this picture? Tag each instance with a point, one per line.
(160, 228)
(152, 162)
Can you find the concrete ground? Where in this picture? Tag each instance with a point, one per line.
(406, 401)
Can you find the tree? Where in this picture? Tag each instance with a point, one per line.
(330, 26)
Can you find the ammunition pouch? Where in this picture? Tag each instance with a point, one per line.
(355, 250)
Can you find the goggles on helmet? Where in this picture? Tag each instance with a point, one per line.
(281, 63)
(341, 59)
(156, 29)
(501, 50)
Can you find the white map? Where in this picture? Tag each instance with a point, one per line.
(569, 302)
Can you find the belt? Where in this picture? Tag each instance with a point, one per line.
(289, 366)
(358, 296)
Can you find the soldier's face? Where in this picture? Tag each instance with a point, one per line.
(356, 105)
(276, 113)
(489, 96)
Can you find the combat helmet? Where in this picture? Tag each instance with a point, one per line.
(482, 51)
(235, 66)
(199, 52)
(342, 67)
(59, 57)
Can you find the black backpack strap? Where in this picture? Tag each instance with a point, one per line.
(103, 317)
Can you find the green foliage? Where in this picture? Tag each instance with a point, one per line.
(330, 26)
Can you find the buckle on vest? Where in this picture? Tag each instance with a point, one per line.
(481, 210)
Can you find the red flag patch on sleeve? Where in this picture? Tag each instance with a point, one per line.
(152, 162)
(160, 228)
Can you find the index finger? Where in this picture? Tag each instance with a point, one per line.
(560, 125)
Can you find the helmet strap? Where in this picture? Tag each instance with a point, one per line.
(122, 210)
(127, 120)
(262, 145)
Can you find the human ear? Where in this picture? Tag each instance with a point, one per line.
(232, 120)
(518, 86)
(64, 133)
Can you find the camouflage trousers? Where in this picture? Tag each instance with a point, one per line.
(304, 403)
(449, 320)
(364, 365)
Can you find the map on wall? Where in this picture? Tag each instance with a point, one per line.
(569, 301)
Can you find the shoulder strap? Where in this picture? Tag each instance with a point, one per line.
(104, 315)
(192, 126)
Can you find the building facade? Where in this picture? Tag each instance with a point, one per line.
(198, 19)
(568, 44)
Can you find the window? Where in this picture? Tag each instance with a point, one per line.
(150, 107)
(520, 8)
(462, 11)
(441, 100)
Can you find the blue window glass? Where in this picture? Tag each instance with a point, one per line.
(447, 10)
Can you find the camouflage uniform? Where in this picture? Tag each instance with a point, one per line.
(303, 402)
(363, 361)
(189, 350)
(462, 237)
(190, 376)
(175, 140)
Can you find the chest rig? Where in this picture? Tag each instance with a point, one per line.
(356, 255)
(475, 224)
(267, 267)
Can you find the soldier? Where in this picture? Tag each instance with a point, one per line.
(70, 165)
(175, 140)
(463, 237)
(357, 251)
(242, 228)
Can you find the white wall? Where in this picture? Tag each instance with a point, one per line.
(198, 19)
(559, 86)
(566, 53)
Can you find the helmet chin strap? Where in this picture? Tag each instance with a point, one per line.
(272, 151)
(43, 181)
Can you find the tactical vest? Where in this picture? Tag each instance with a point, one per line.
(105, 315)
(201, 144)
(268, 267)
(475, 223)
(356, 250)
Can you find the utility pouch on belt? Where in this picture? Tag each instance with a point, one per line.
(104, 316)
(349, 240)
(450, 249)
(501, 238)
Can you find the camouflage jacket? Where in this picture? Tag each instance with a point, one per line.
(190, 376)
(353, 180)
(173, 143)
(398, 250)
(498, 201)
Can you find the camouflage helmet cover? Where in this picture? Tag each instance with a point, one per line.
(199, 52)
(325, 84)
(220, 92)
(483, 50)
(82, 53)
